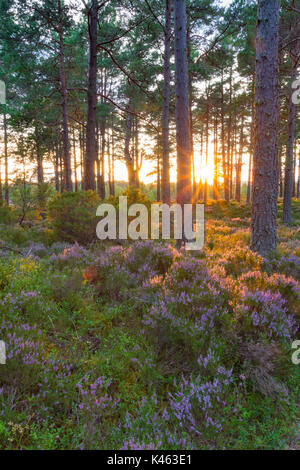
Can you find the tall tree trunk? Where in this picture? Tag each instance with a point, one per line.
(200, 186)
(184, 193)
(91, 144)
(166, 108)
(137, 154)
(190, 87)
(240, 164)
(224, 162)
(1, 192)
(298, 180)
(289, 161)
(40, 169)
(128, 134)
(81, 143)
(56, 166)
(205, 196)
(265, 184)
(75, 161)
(158, 186)
(63, 85)
(215, 182)
(6, 187)
(250, 167)
(112, 188)
(229, 137)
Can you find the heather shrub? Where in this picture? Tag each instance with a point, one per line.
(287, 264)
(191, 311)
(288, 287)
(120, 269)
(239, 260)
(263, 314)
(73, 216)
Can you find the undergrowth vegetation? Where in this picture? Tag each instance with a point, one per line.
(139, 346)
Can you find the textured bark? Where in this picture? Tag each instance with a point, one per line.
(184, 193)
(191, 126)
(63, 85)
(289, 162)
(166, 108)
(265, 184)
(91, 144)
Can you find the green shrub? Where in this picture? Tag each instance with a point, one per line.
(7, 215)
(73, 216)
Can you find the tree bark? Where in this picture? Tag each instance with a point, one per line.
(128, 134)
(6, 186)
(289, 161)
(67, 158)
(224, 162)
(91, 144)
(166, 108)
(265, 184)
(184, 193)
(240, 164)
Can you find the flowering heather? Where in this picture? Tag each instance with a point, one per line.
(142, 347)
(74, 254)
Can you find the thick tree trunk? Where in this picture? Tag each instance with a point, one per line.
(91, 144)
(63, 85)
(166, 108)
(265, 184)
(289, 161)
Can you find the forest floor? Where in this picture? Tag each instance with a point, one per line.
(142, 347)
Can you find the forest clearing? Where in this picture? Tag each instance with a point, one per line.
(115, 335)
